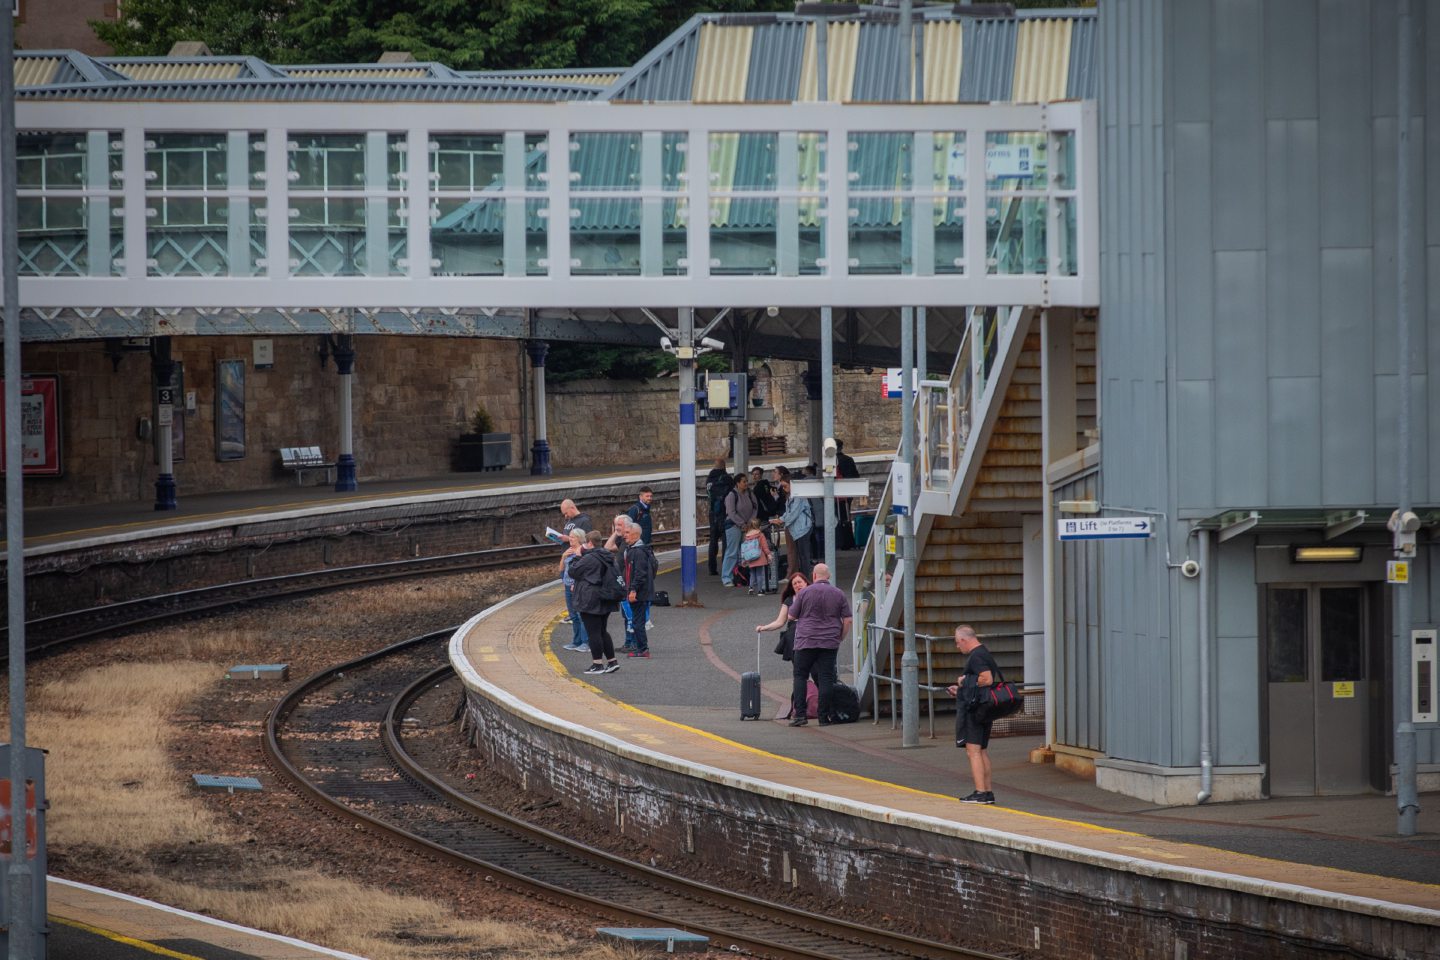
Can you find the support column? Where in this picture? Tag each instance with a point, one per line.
(689, 595)
(1058, 440)
(343, 349)
(811, 379)
(162, 368)
(910, 659)
(827, 424)
(740, 429)
(540, 449)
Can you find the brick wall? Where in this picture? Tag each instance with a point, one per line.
(62, 25)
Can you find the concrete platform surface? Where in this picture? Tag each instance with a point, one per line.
(88, 923)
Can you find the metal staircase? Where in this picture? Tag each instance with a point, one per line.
(979, 449)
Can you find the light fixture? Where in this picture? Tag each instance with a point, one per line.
(1078, 506)
(1326, 554)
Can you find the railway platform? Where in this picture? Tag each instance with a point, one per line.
(671, 724)
(89, 923)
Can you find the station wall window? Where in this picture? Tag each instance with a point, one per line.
(347, 208)
(767, 206)
(204, 204)
(488, 211)
(68, 203)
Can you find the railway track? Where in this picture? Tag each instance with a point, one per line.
(45, 633)
(312, 741)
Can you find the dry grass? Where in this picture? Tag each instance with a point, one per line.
(114, 788)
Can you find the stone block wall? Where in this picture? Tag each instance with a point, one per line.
(413, 396)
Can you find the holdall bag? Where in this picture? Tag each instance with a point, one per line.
(660, 599)
(999, 700)
(844, 703)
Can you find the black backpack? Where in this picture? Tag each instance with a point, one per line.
(612, 585)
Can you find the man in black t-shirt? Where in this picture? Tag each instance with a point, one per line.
(971, 732)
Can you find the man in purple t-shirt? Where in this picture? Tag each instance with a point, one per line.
(822, 618)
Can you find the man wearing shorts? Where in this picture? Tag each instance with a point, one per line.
(971, 732)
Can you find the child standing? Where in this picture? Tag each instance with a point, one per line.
(755, 556)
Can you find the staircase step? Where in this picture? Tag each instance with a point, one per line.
(947, 590)
(1024, 440)
(1011, 426)
(999, 474)
(1013, 458)
(963, 613)
(945, 567)
(971, 534)
(937, 580)
(1018, 407)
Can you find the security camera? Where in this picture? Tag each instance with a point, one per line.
(1190, 569)
(666, 345)
(712, 344)
(772, 311)
(1406, 522)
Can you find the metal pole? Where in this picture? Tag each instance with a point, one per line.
(827, 425)
(1406, 799)
(907, 56)
(1207, 764)
(910, 660)
(163, 370)
(922, 341)
(689, 596)
(22, 936)
(540, 449)
(344, 352)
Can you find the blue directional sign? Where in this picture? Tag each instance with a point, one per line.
(1106, 528)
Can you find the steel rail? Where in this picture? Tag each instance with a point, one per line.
(821, 937)
(43, 633)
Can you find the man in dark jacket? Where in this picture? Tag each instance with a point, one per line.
(638, 566)
(717, 485)
(588, 571)
(640, 513)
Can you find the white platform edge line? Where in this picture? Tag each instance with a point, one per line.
(224, 924)
(1159, 870)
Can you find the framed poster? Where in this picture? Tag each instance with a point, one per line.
(229, 409)
(39, 425)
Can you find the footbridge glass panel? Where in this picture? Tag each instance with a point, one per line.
(418, 206)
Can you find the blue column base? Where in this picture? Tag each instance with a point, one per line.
(689, 574)
(540, 458)
(345, 474)
(165, 492)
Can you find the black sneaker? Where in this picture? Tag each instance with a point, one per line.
(595, 668)
(610, 667)
(799, 722)
(978, 797)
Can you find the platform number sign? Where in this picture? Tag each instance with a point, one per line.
(1010, 161)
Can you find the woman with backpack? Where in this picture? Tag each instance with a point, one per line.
(598, 591)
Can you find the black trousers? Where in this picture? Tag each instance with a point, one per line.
(820, 664)
(717, 547)
(597, 627)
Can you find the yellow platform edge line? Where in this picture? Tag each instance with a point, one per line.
(121, 938)
(549, 654)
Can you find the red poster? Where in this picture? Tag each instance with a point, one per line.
(39, 425)
(7, 827)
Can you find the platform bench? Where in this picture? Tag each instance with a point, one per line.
(301, 460)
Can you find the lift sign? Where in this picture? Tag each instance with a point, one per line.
(1106, 528)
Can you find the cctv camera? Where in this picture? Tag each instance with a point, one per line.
(1190, 569)
(712, 343)
(666, 345)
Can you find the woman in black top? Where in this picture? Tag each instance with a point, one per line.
(782, 621)
(588, 570)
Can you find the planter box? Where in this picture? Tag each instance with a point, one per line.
(482, 451)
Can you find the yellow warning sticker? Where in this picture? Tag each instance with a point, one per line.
(1343, 690)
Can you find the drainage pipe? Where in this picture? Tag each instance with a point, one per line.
(1206, 762)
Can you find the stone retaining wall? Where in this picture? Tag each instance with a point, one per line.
(1066, 907)
(413, 396)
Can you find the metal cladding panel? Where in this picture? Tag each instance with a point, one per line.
(1195, 285)
(1083, 81)
(721, 64)
(1042, 61)
(1431, 316)
(1293, 444)
(1345, 134)
(944, 60)
(1235, 615)
(842, 41)
(1347, 393)
(1079, 666)
(36, 71)
(776, 54)
(989, 61)
(1194, 420)
(1238, 123)
(877, 73)
(667, 73)
(1144, 723)
(1292, 298)
(1291, 60)
(182, 70)
(1240, 395)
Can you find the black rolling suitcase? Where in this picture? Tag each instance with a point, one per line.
(750, 687)
(750, 695)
